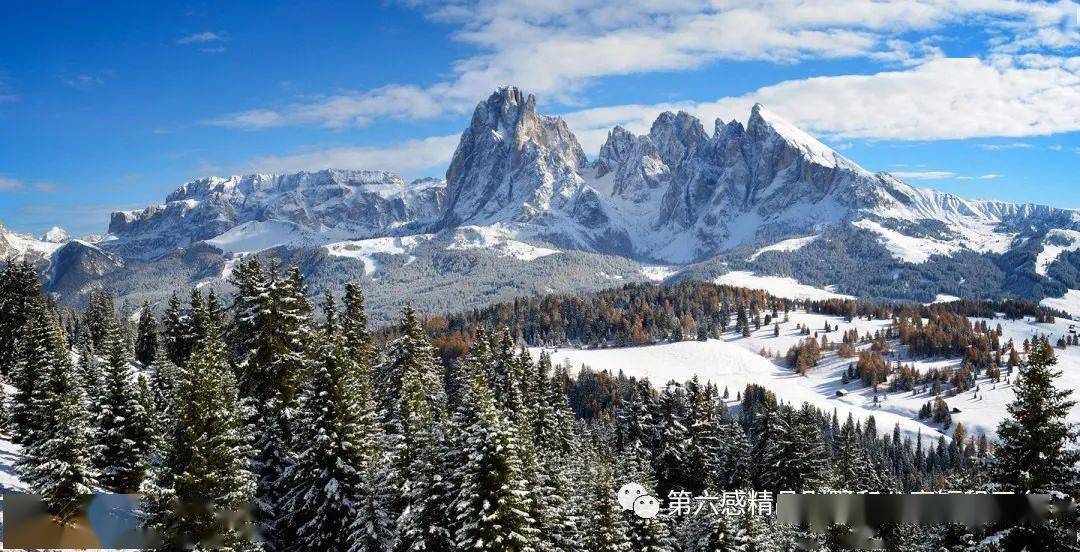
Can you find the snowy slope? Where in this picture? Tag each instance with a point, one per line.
(793, 244)
(781, 287)
(1069, 303)
(735, 361)
(1057, 241)
(256, 236)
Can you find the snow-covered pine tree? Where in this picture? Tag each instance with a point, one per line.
(772, 452)
(372, 529)
(1036, 453)
(271, 329)
(330, 313)
(251, 295)
(670, 452)
(88, 371)
(705, 532)
(335, 452)
(163, 378)
(636, 430)
(146, 340)
(354, 325)
(121, 425)
(506, 375)
(32, 367)
(851, 467)
(752, 534)
(795, 457)
(605, 527)
(413, 412)
(20, 296)
(702, 439)
(645, 534)
(98, 316)
(734, 463)
(493, 502)
(204, 457)
(174, 323)
(56, 464)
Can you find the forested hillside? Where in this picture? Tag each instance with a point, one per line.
(347, 439)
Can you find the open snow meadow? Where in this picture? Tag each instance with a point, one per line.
(734, 362)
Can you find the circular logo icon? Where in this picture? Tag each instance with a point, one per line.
(646, 507)
(628, 494)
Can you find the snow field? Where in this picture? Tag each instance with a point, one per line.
(734, 362)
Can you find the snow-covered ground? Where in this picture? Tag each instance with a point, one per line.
(257, 236)
(778, 286)
(734, 362)
(1057, 241)
(793, 244)
(944, 298)
(908, 248)
(499, 238)
(365, 250)
(658, 273)
(1070, 303)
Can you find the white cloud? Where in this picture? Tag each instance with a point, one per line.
(8, 184)
(85, 81)
(944, 98)
(406, 157)
(925, 175)
(203, 38)
(557, 49)
(941, 175)
(1011, 145)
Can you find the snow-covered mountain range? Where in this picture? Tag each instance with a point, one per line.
(524, 210)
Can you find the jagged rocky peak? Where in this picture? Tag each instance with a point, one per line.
(676, 135)
(511, 162)
(616, 150)
(770, 132)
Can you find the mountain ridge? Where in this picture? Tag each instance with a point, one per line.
(674, 196)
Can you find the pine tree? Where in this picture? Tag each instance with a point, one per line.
(752, 534)
(56, 464)
(1035, 454)
(734, 462)
(605, 528)
(354, 324)
(98, 317)
(163, 380)
(336, 452)
(670, 452)
(20, 296)
(175, 332)
(702, 438)
(272, 328)
(204, 457)
(34, 363)
(146, 344)
(852, 469)
(492, 506)
(121, 424)
(413, 411)
(90, 377)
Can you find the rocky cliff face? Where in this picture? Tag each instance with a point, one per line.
(346, 203)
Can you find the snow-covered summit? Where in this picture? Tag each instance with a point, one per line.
(55, 235)
(357, 203)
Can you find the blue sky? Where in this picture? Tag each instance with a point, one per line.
(111, 105)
